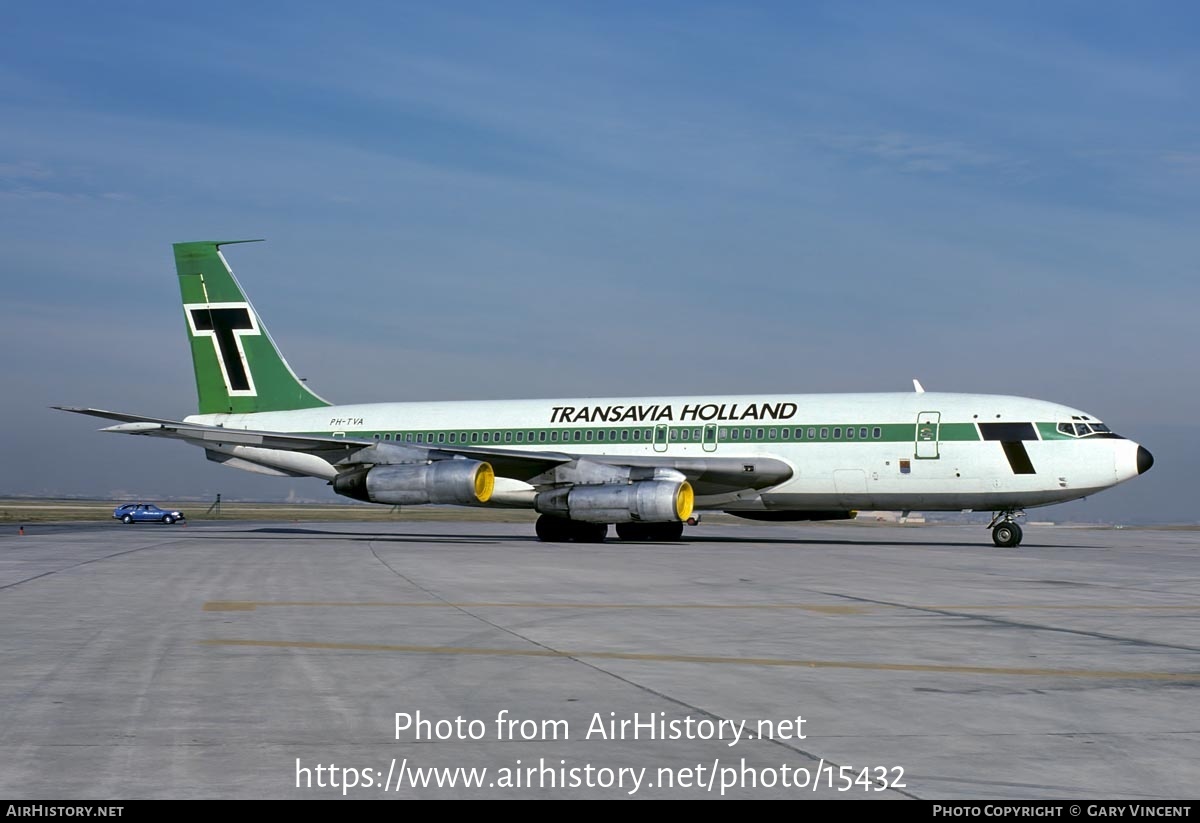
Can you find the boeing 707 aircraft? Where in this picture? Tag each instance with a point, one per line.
(644, 464)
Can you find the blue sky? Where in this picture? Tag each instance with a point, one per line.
(510, 200)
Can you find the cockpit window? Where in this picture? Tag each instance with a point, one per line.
(1078, 429)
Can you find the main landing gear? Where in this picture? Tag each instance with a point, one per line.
(552, 529)
(658, 532)
(1005, 532)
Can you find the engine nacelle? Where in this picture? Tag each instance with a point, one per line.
(463, 482)
(646, 501)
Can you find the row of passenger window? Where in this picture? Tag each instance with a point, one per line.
(589, 435)
(675, 434)
(864, 433)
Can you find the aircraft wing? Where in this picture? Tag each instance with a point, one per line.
(709, 475)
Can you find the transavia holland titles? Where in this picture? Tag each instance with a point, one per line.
(657, 412)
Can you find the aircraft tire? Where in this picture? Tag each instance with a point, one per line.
(552, 529)
(1007, 535)
(633, 531)
(588, 532)
(666, 532)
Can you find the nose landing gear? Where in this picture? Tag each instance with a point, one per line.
(1005, 532)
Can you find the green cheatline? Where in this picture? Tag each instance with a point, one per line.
(795, 433)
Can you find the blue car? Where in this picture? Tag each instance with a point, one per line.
(146, 513)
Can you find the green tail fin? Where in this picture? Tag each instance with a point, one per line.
(238, 367)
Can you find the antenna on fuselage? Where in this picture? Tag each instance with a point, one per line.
(917, 387)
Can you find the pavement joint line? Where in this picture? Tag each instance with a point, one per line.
(717, 659)
(251, 605)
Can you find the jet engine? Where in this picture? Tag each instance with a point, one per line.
(462, 482)
(648, 501)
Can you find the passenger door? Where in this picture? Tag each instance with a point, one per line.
(929, 424)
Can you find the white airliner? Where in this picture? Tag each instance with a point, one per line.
(644, 464)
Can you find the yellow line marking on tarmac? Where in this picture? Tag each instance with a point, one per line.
(251, 605)
(697, 658)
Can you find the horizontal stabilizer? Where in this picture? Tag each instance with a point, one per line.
(335, 450)
(111, 415)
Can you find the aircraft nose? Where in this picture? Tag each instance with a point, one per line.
(1144, 460)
